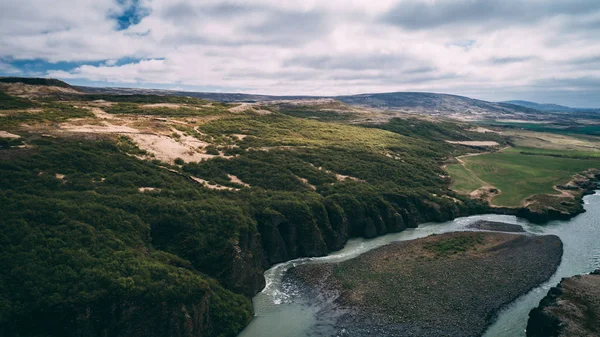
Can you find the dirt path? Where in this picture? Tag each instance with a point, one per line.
(487, 191)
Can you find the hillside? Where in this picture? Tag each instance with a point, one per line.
(440, 105)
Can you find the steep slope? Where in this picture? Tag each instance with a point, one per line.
(570, 309)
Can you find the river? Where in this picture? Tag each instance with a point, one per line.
(280, 311)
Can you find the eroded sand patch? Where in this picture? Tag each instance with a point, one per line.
(149, 189)
(307, 183)
(167, 149)
(207, 184)
(102, 128)
(480, 129)
(474, 143)
(4, 134)
(237, 180)
(163, 105)
(239, 136)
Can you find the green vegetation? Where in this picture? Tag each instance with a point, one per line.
(89, 227)
(100, 243)
(48, 113)
(576, 154)
(106, 243)
(455, 245)
(8, 102)
(141, 99)
(137, 109)
(519, 176)
(316, 113)
(462, 180)
(439, 132)
(557, 127)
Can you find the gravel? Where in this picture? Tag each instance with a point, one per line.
(410, 289)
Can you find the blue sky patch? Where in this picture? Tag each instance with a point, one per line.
(132, 14)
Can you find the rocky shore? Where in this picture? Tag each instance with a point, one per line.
(442, 285)
(571, 309)
(542, 208)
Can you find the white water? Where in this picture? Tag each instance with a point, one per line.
(281, 311)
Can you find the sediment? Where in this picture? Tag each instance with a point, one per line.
(443, 285)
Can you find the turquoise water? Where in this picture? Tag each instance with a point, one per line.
(283, 311)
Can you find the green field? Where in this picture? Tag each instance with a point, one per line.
(518, 176)
(558, 128)
(462, 180)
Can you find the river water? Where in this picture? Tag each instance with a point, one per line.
(281, 311)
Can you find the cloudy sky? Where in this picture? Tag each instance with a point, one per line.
(540, 50)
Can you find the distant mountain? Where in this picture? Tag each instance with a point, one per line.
(213, 96)
(435, 104)
(407, 102)
(421, 103)
(547, 107)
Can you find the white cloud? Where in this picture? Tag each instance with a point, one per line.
(317, 47)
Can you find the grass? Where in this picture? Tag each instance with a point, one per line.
(137, 109)
(519, 176)
(576, 154)
(462, 180)
(559, 128)
(8, 102)
(455, 245)
(51, 112)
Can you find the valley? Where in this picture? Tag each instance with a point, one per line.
(191, 197)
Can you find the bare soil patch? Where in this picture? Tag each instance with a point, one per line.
(5, 134)
(474, 143)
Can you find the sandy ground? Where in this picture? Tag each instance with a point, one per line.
(206, 184)
(148, 189)
(341, 177)
(480, 129)
(241, 108)
(307, 183)
(249, 106)
(237, 180)
(474, 143)
(162, 105)
(167, 149)
(161, 144)
(239, 136)
(104, 128)
(4, 134)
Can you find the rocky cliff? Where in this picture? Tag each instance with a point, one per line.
(571, 309)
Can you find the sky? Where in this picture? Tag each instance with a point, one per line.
(546, 51)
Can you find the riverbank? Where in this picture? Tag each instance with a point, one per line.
(570, 309)
(406, 288)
